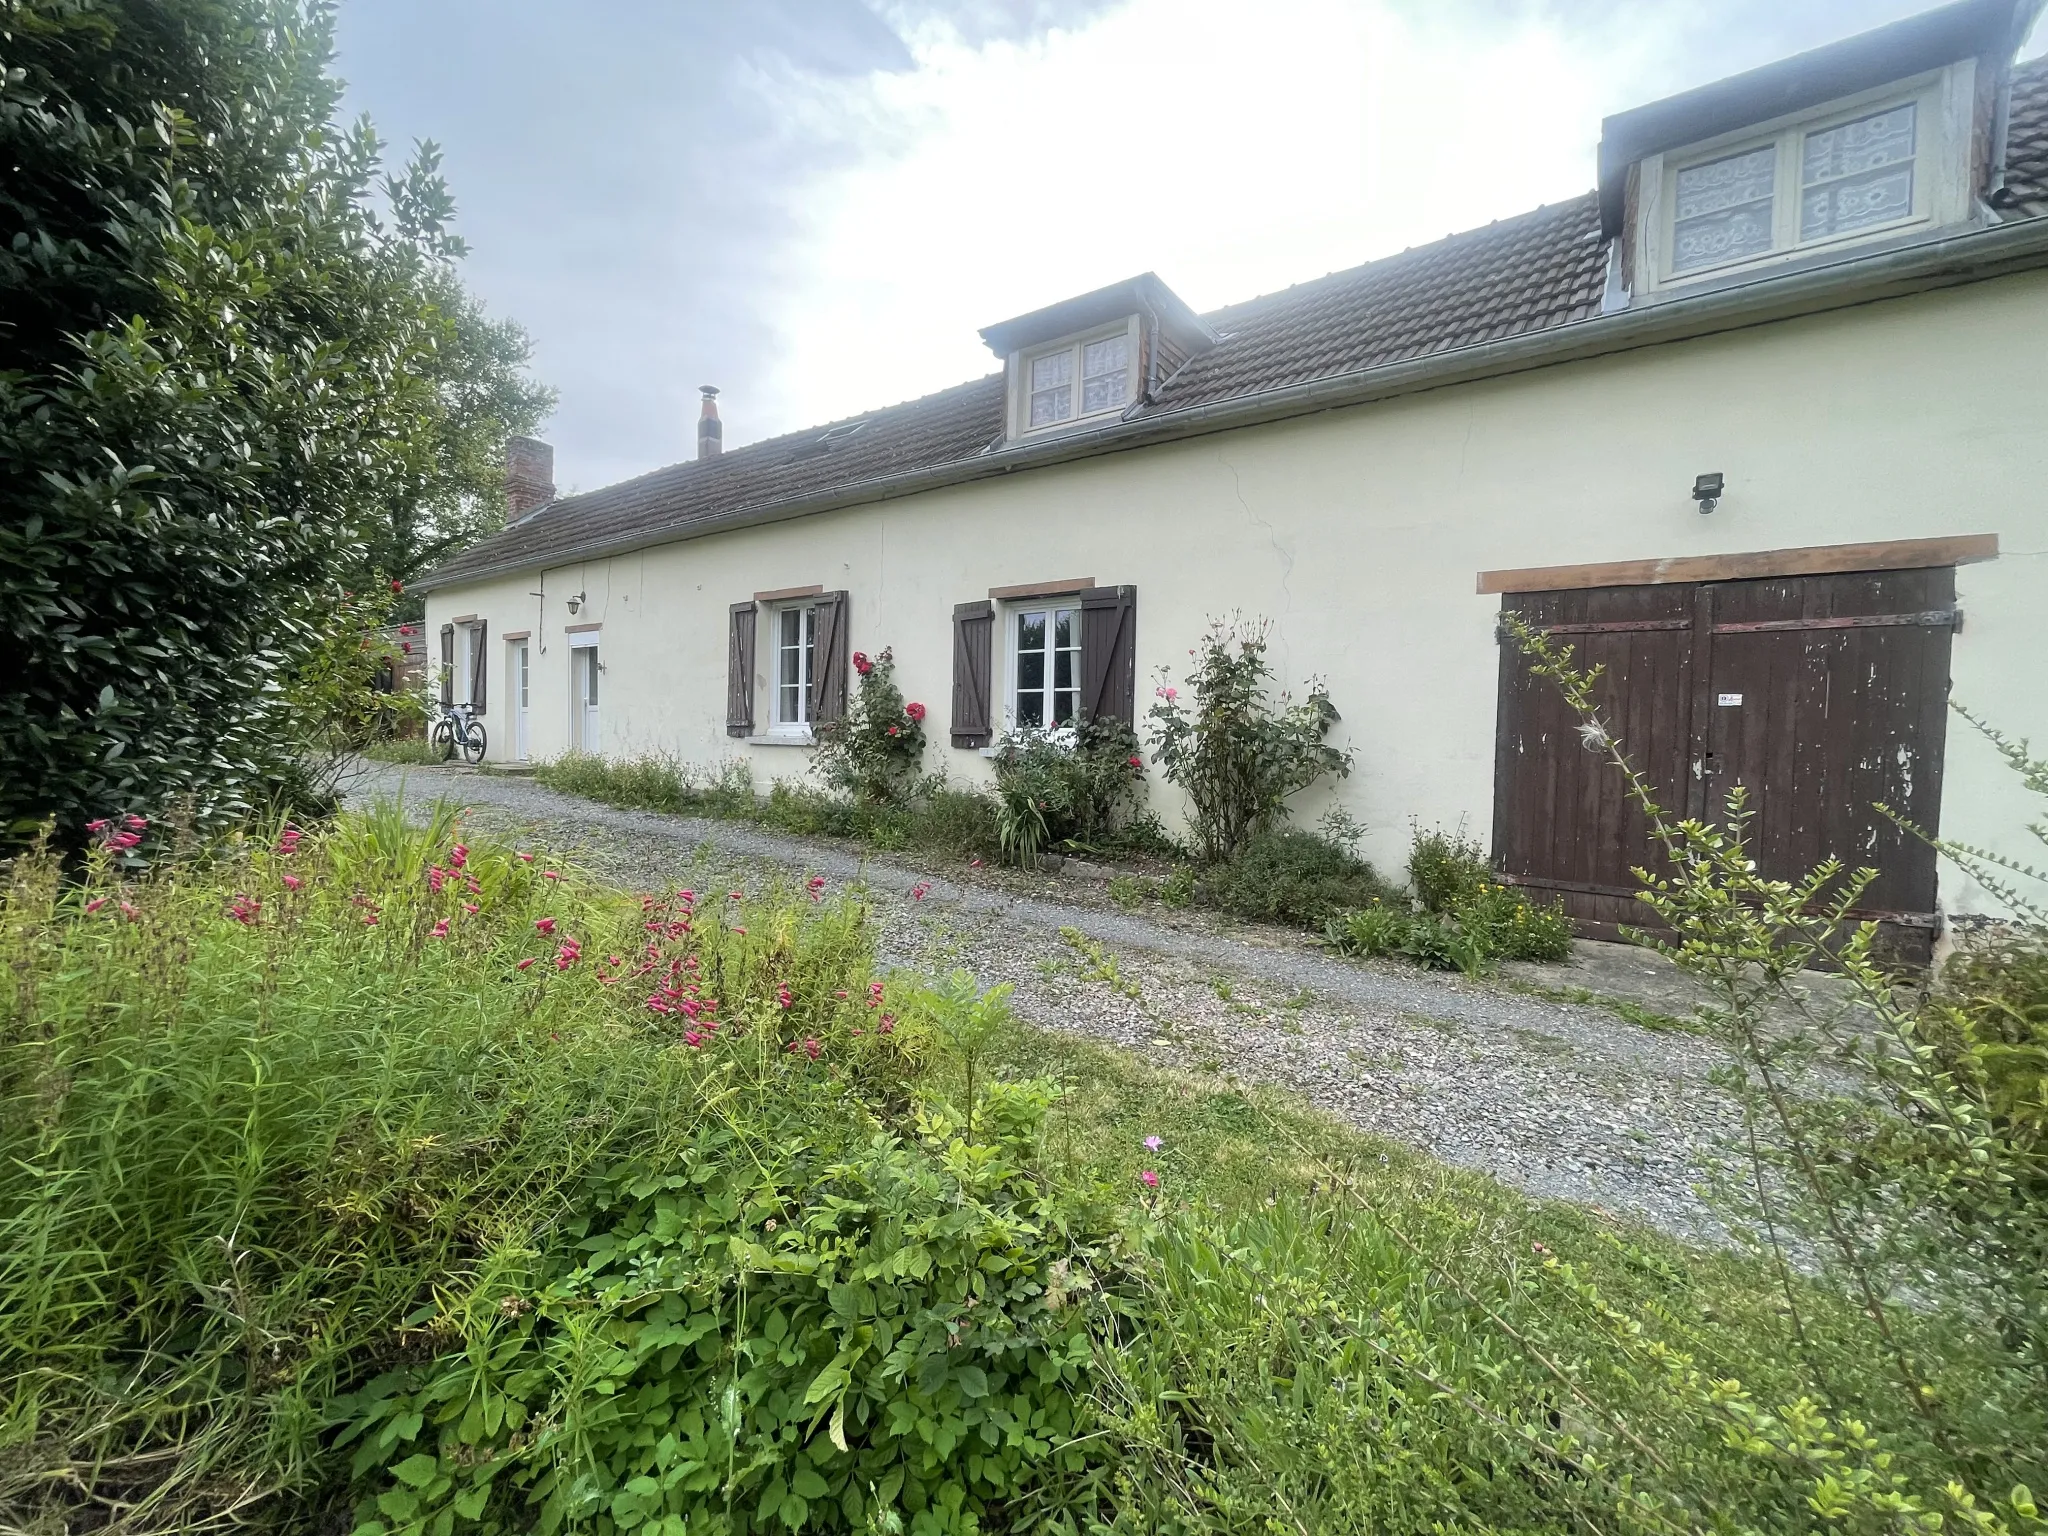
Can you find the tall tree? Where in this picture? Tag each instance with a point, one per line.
(238, 374)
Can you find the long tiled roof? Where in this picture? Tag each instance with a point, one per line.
(1531, 273)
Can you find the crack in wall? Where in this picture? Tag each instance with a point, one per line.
(1272, 535)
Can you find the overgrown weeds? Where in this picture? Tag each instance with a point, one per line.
(437, 1184)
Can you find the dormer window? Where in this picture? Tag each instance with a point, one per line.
(1083, 361)
(1101, 364)
(1884, 162)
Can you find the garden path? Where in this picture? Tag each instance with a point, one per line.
(1561, 1099)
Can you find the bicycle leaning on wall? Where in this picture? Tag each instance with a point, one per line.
(454, 730)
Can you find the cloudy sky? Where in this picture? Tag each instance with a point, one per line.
(815, 204)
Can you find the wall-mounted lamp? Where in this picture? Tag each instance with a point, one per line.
(576, 602)
(1706, 490)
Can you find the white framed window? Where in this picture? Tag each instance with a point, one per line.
(793, 654)
(1073, 380)
(1044, 647)
(1875, 164)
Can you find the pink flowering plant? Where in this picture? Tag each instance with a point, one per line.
(874, 751)
(1236, 751)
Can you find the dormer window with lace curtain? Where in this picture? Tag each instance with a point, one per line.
(1885, 163)
(1080, 364)
(1081, 378)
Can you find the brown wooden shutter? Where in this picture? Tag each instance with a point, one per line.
(448, 665)
(480, 637)
(974, 628)
(828, 660)
(739, 671)
(1109, 654)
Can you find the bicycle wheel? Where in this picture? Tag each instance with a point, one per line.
(473, 743)
(441, 741)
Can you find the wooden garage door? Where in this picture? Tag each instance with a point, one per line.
(1823, 694)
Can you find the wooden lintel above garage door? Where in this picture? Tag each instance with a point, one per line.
(1818, 560)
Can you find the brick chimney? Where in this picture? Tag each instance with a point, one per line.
(529, 477)
(710, 432)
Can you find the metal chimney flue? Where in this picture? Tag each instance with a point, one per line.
(710, 431)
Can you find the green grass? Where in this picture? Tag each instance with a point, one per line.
(405, 749)
(256, 1161)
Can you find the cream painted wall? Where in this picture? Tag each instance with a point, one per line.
(1360, 533)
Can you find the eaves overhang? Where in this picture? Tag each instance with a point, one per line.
(1942, 262)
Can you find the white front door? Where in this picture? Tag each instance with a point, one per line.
(585, 673)
(522, 697)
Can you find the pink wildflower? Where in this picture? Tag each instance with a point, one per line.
(1149, 1179)
(736, 928)
(436, 878)
(1153, 1143)
(134, 823)
(919, 891)
(544, 924)
(526, 858)
(458, 856)
(97, 826)
(736, 895)
(369, 919)
(439, 930)
(550, 874)
(471, 908)
(292, 882)
(96, 903)
(782, 997)
(692, 1039)
(522, 965)
(128, 911)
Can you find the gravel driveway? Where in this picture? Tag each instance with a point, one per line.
(1563, 1100)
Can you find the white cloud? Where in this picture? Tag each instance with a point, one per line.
(1233, 150)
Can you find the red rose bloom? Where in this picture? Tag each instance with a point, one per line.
(915, 711)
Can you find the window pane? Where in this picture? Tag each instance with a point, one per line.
(1858, 174)
(1105, 373)
(1030, 669)
(1063, 627)
(1030, 710)
(590, 672)
(1063, 669)
(1723, 209)
(1053, 368)
(1030, 631)
(1885, 138)
(1052, 388)
(1050, 405)
(1066, 705)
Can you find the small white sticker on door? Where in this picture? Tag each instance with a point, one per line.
(1730, 698)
